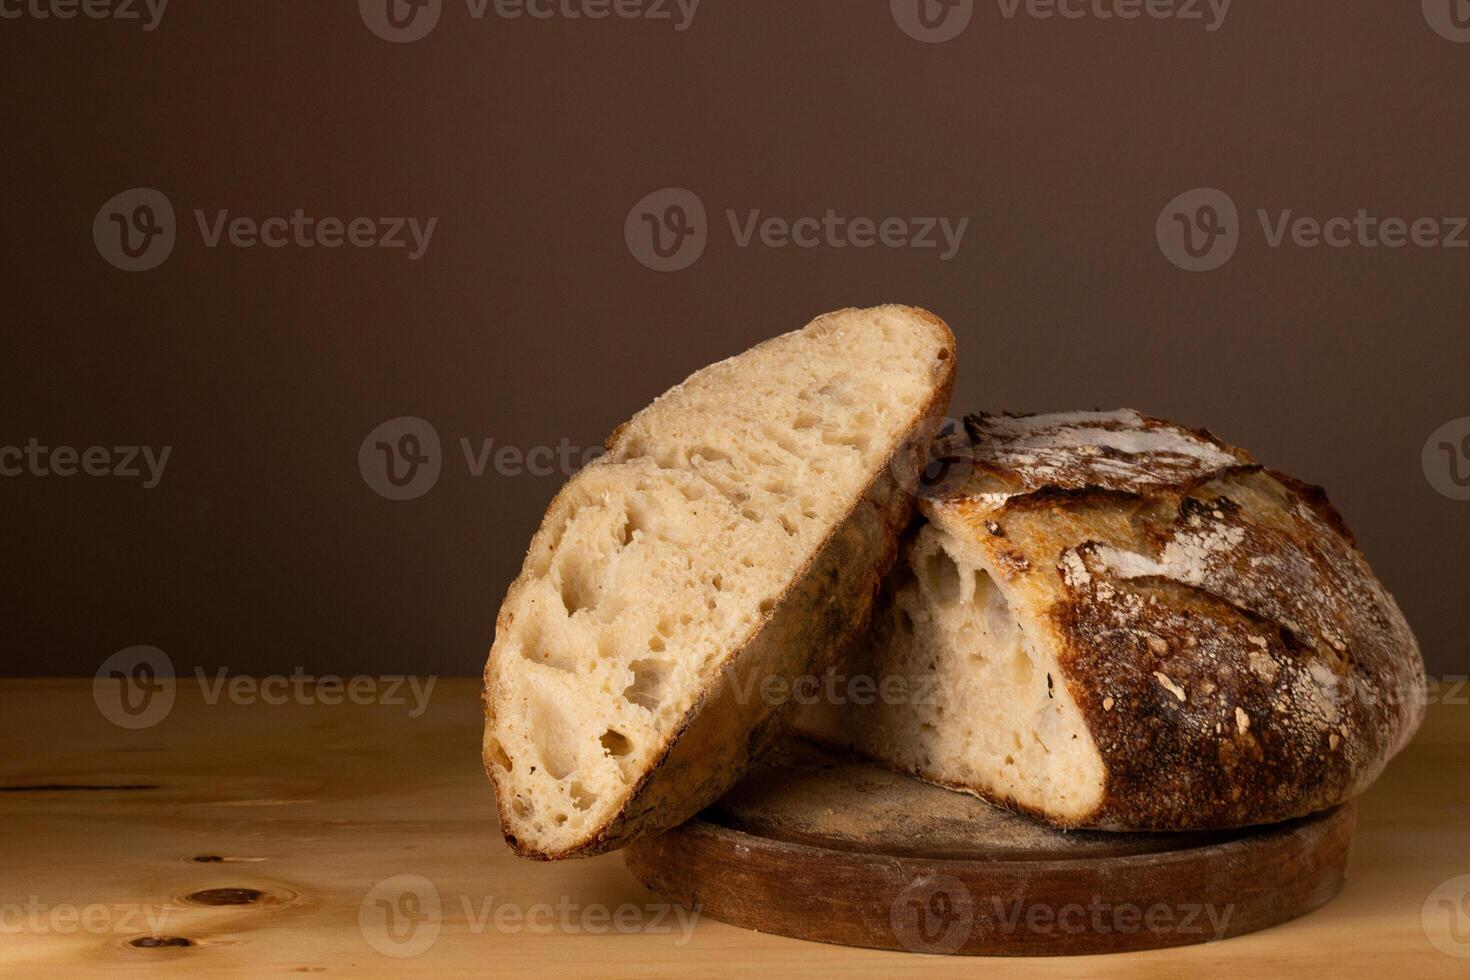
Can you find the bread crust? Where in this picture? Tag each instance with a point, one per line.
(822, 611)
(1234, 658)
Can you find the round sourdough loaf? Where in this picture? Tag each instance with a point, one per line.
(1130, 625)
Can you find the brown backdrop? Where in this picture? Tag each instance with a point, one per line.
(528, 319)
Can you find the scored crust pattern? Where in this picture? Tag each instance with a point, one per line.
(1233, 656)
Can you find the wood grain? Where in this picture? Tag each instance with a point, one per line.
(313, 805)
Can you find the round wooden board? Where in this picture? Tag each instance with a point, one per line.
(816, 846)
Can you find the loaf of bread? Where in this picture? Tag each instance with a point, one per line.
(1118, 623)
(737, 531)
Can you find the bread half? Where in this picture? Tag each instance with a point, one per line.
(737, 530)
(1123, 624)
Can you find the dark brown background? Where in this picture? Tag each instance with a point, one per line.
(528, 321)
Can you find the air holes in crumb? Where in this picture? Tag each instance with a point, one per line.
(787, 525)
(767, 605)
(616, 743)
(1021, 665)
(857, 441)
(520, 808)
(579, 587)
(634, 522)
(943, 355)
(536, 648)
(780, 441)
(648, 683)
(607, 646)
(804, 420)
(498, 756)
(555, 740)
(942, 576)
(706, 454)
(544, 556)
(838, 391)
(582, 797)
(656, 644)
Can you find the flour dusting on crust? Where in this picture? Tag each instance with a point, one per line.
(1121, 451)
(1235, 658)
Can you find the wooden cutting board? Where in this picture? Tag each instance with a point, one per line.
(818, 847)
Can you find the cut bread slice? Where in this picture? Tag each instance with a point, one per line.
(736, 531)
(1123, 624)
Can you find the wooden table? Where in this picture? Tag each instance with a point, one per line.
(304, 838)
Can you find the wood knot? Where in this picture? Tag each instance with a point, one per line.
(225, 896)
(158, 942)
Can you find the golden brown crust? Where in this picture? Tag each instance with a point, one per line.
(823, 610)
(1234, 658)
